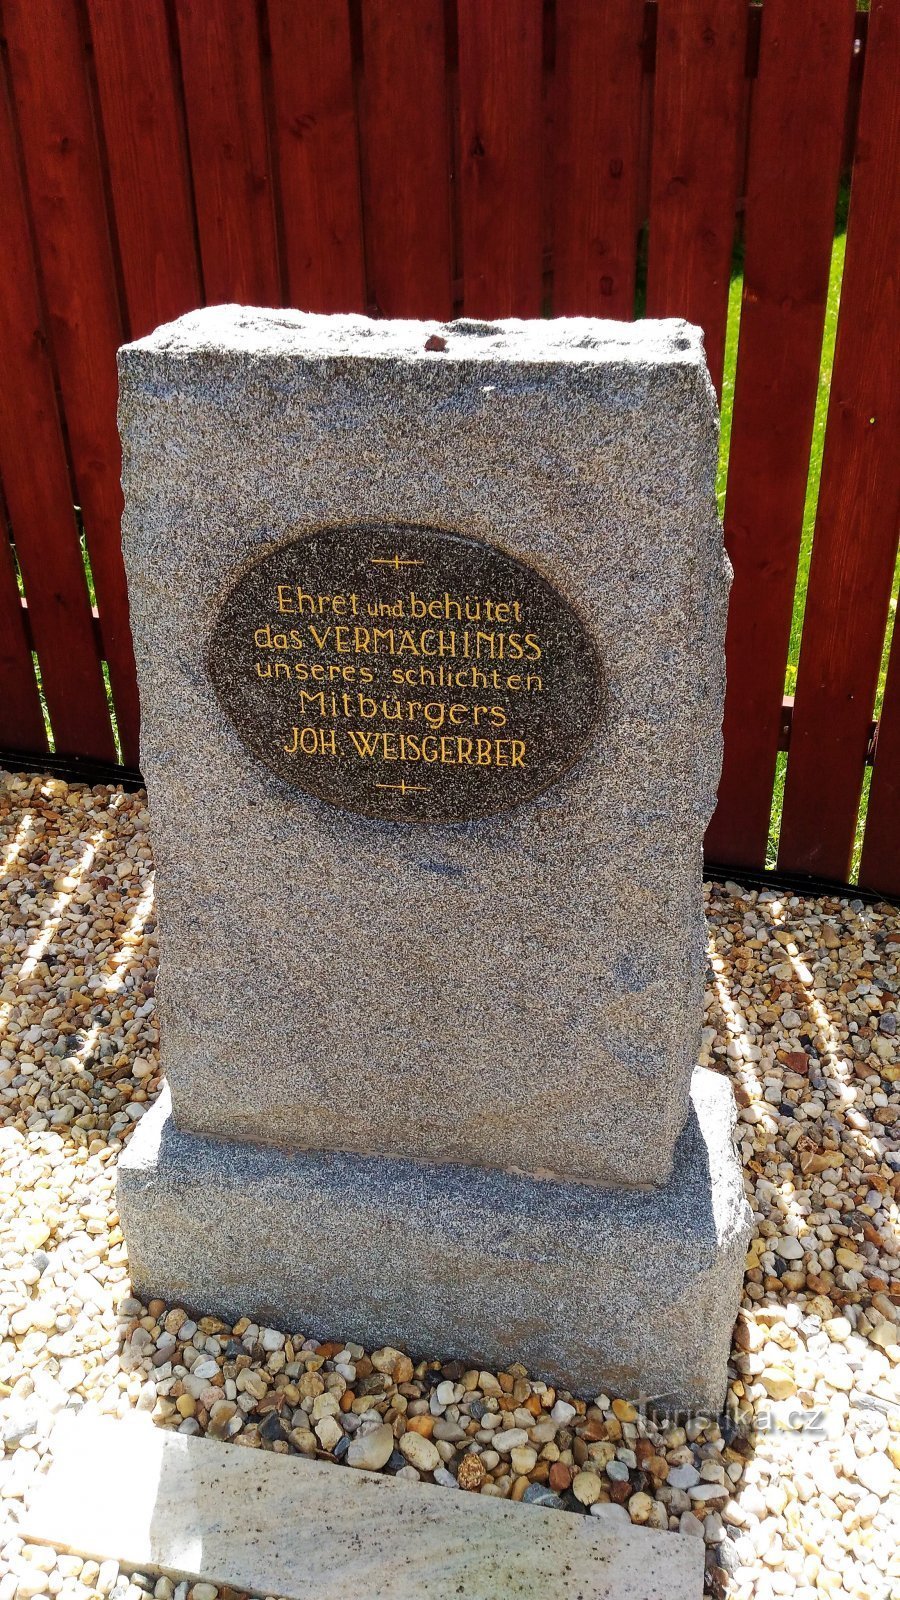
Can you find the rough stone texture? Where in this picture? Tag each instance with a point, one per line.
(590, 1287)
(523, 991)
(279, 1525)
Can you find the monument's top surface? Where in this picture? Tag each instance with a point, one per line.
(246, 330)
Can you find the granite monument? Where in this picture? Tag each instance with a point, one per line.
(429, 626)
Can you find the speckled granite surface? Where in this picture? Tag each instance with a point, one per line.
(591, 1288)
(521, 992)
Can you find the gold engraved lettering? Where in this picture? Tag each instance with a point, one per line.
(448, 655)
(312, 742)
(291, 600)
(449, 750)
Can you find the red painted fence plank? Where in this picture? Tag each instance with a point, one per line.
(223, 82)
(65, 187)
(21, 720)
(501, 139)
(855, 542)
(40, 503)
(879, 867)
(317, 155)
(598, 93)
(405, 151)
(795, 152)
(700, 55)
(148, 167)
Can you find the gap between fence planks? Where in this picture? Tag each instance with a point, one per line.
(795, 148)
(855, 543)
(21, 718)
(880, 863)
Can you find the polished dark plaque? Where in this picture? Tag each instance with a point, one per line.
(404, 672)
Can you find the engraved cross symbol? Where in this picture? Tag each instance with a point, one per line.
(405, 788)
(395, 561)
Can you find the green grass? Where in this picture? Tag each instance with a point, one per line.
(812, 497)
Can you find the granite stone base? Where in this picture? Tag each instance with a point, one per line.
(628, 1291)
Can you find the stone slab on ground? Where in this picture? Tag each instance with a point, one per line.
(281, 1525)
(591, 1288)
(523, 981)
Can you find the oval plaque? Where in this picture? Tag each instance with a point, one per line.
(404, 672)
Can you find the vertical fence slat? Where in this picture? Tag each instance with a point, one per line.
(598, 93)
(317, 155)
(21, 719)
(148, 169)
(795, 152)
(406, 158)
(65, 187)
(700, 59)
(226, 119)
(855, 541)
(39, 498)
(879, 866)
(501, 139)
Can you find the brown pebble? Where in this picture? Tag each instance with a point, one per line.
(471, 1473)
(593, 1431)
(560, 1477)
(797, 1060)
(518, 1489)
(435, 342)
(620, 1492)
(423, 1425)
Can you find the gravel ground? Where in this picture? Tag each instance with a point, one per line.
(795, 1489)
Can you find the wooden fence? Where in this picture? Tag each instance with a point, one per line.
(497, 157)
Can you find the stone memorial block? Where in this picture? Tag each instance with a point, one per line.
(429, 626)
